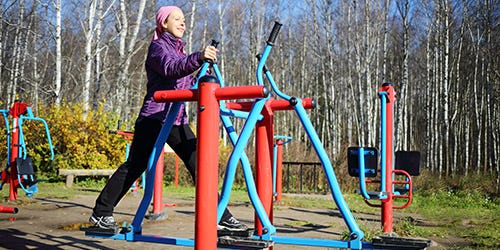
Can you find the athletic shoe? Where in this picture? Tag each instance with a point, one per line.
(231, 224)
(104, 222)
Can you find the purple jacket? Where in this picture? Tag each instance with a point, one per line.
(168, 68)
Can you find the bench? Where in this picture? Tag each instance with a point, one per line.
(71, 173)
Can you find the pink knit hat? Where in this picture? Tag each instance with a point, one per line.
(161, 15)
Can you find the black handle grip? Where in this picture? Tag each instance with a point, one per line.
(274, 33)
(214, 43)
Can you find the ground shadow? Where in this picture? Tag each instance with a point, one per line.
(15, 239)
(69, 204)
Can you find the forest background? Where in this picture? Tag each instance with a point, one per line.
(80, 64)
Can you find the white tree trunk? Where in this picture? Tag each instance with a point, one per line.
(2, 37)
(57, 80)
(446, 122)
(97, 56)
(126, 53)
(89, 35)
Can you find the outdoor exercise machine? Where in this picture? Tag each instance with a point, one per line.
(19, 172)
(363, 161)
(208, 210)
(207, 95)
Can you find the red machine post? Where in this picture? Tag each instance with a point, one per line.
(13, 182)
(207, 173)
(387, 204)
(158, 186)
(264, 133)
(16, 111)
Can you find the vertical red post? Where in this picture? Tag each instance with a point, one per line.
(176, 176)
(16, 111)
(279, 169)
(158, 186)
(387, 204)
(207, 165)
(263, 158)
(14, 147)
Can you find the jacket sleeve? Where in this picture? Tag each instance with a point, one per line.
(170, 63)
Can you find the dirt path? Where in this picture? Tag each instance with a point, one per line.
(49, 223)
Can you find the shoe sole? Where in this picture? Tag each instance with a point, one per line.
(98, 225)
(220, 227)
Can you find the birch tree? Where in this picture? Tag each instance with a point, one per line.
(403, 7)
(127, 48)
(14, 73)
(58, 42)
(89, 38)
(2, 36)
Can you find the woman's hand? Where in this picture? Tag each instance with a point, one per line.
(210, 53)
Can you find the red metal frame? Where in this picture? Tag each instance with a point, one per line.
(408, 182)
(263, 161)
(10, 210)
(208, 96)
(408, 197)
(18, 108)
(387, 204)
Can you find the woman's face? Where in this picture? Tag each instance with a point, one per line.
(174, 24)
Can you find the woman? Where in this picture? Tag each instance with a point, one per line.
(167, 68)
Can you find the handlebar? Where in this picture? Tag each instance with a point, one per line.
(274, 33)
(205, 65)
(214, 43)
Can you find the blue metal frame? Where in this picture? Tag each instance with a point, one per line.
(383, 143)
(22, 143)
(22, 152)
(5, 114)
(356, 235)
(238, 155)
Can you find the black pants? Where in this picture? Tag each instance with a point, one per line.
(181, 139)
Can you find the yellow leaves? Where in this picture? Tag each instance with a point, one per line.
(79, 144)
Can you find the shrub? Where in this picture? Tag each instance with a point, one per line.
(79, 143)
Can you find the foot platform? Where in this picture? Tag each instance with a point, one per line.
(389, 242)
(97, 231)
(246, 233)
(235, 242)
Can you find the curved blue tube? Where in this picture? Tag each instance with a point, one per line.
(383, 143)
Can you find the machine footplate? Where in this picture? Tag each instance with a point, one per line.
(243, 243)
(388, 242)
(93, 230)
(247, 233)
